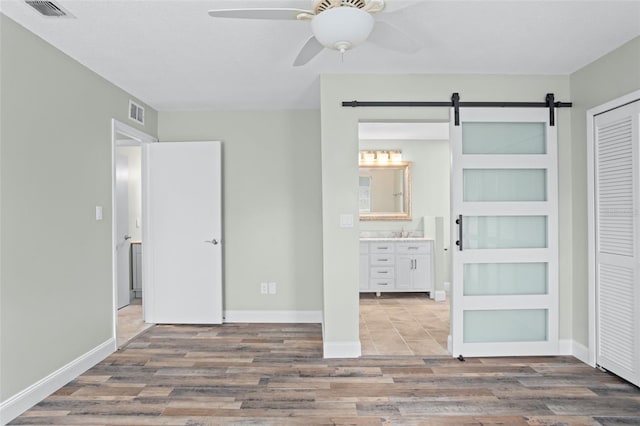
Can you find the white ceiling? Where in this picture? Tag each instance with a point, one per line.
(173, 56)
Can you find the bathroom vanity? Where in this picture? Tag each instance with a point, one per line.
(396, 265)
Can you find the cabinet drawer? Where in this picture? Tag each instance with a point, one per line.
(381, 285)
(382, 272)
(382, 259)
(364, 248)
(386, 247)
(413, 248)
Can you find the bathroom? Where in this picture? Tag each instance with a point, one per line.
(404, 237)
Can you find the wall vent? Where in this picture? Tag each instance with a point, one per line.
(49, 9)
(136, 112)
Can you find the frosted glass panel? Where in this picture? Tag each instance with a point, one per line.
(503, 138)
(505, 185)
(517, 325)
(489, 279)
(501, 232)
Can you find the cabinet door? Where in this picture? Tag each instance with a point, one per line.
(404, 272)
(364, 271)
(422, 274)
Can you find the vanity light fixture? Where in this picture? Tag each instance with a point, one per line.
(396, 156)
(368, 157)
(380, 157)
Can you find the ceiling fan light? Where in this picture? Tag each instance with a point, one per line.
(342, 28)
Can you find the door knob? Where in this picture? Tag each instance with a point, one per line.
(212, 241)
(127, 237)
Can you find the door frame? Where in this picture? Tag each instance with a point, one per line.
(591, 220)
(137, 138)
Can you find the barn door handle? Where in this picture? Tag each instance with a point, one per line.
(459, 223)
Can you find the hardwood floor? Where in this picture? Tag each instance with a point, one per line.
(403, 324)
(275, 374)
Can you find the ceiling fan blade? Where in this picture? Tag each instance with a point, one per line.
(387, 36)
(309, 51)
(277, 14)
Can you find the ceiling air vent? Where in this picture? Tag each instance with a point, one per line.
(136, 112)
(49, 9)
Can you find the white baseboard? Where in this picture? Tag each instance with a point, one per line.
(307, 317)
(565, 347)
(581, 352)
(27, 398)
(573, 348)
(342, 349)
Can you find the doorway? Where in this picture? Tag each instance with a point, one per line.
(127, 231)
(404, 199)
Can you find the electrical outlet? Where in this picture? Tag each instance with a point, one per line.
(272, 288)
(264, 288)
(447, 286)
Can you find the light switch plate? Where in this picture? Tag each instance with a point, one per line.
(99, 213)
(346, 221)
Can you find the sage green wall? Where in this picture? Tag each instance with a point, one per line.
(340, 171)
(56, 300)
(271, 202)
(612, 76)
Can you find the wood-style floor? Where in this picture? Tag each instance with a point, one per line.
(275, 374)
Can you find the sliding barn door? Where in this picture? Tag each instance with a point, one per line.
(504, 208)
(616, 213)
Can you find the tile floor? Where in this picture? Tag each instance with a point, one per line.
(130, 322)
(403, 324)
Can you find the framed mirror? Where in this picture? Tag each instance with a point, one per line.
(385, 191)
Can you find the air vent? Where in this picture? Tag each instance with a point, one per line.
(49, 9)
(136, 112)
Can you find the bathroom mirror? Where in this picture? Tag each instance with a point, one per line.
(385, 191)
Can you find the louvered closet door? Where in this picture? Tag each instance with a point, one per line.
(617, 207)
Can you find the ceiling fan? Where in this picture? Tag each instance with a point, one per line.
(336, 24)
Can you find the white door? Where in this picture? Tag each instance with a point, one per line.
(181, 249)
(617, 204)
(504, 218)
(122, 231)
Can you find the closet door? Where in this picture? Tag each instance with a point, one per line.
(616, 216)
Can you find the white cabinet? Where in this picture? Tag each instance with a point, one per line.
(413, 267)
(364, 266)
(396, 266)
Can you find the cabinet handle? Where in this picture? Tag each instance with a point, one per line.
(383, 283)
(412, 248)
(383, 272)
